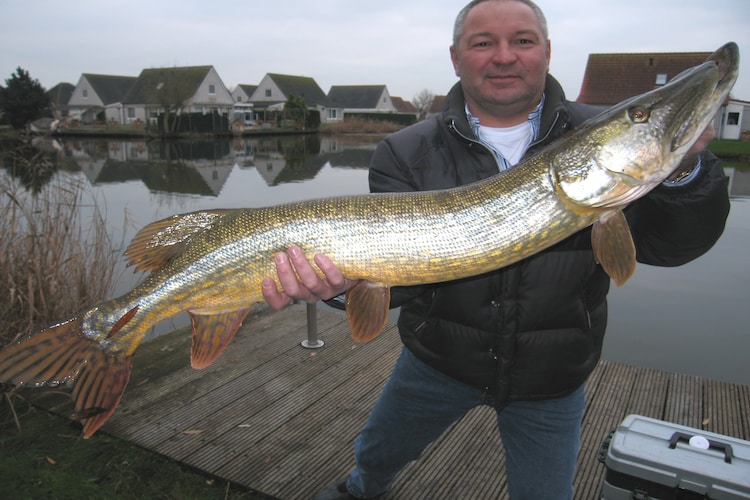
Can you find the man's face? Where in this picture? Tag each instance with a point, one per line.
(502, 59)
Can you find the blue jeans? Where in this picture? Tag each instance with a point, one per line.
(541, 438)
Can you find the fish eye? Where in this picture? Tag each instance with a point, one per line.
(638, 114)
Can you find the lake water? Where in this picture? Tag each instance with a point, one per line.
(690, 319)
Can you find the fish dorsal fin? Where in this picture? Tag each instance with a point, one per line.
(156, 243)
(367, 306)
(212, 331)
(613, 245)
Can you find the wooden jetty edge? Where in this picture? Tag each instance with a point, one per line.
(281, 419)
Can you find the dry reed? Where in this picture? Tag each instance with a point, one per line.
(56, 256)
(360, 126)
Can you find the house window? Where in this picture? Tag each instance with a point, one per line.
(131, 113)
(212, 89)
(332, 114)
(85, 93)
(661, 79)
(733, 118)
(268, 92)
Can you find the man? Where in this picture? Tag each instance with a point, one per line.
(524, 338)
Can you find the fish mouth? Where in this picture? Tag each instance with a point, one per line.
(643, 139)
(725, 60)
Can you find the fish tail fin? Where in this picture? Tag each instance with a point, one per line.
(61, 354)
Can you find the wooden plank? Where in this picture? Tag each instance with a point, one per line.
(263, 337)
(649, 393)
(684, 404)
(744, 404)
(722, 412)
(467, 461)
(303, 445)
(282, 420)
(606, 406)
(292, 399)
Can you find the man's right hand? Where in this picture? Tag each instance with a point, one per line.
(300, 281)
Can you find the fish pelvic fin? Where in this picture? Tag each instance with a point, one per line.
(61, 354)
(212, 332)
(158, 242)
(613, 246)
(367, 306)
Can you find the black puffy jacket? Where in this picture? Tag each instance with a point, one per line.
(534, 329)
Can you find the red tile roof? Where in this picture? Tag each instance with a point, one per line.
(438, 104)
(403, 106)
(611, 78)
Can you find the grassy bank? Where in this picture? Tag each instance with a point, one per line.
(731, 150)
(49, 459)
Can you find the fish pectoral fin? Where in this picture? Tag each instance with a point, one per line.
(212, 332)
(158, 242)
(367, 306)
(63, 354)
(613, 246)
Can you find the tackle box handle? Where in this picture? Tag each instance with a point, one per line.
(725, 447)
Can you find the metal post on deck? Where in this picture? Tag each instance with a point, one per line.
(312, 342)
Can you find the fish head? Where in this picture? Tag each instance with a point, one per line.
(624, 152)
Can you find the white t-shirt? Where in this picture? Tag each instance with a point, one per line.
(511, 142)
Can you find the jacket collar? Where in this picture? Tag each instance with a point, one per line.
(554, 115)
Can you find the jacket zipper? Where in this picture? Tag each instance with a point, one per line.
(474, 141)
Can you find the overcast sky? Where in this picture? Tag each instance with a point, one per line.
(399, 43)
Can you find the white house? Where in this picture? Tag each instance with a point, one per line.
(274, 90)
(243, 108)
(733, 119)
(180, 90)
(99, 98)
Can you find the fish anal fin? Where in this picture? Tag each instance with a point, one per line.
(212, 331)
(61, 354)
(158, 242)
(367, 306)
(613, 246)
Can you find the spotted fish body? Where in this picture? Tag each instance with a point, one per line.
(211, 263)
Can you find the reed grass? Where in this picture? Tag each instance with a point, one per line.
(359, 126)
(56, 256)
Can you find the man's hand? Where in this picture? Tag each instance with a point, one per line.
(301, 282)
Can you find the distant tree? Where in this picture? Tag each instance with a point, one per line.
(171, 92)
(23, 99)
(295, 109)
(423, 102)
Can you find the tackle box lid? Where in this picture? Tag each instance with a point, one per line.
(681, 457)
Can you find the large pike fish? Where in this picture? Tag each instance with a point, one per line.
(211, 263)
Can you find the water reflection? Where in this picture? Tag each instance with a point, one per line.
(203, 167)
(200, 167)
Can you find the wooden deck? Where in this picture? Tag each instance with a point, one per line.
(281, 419)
